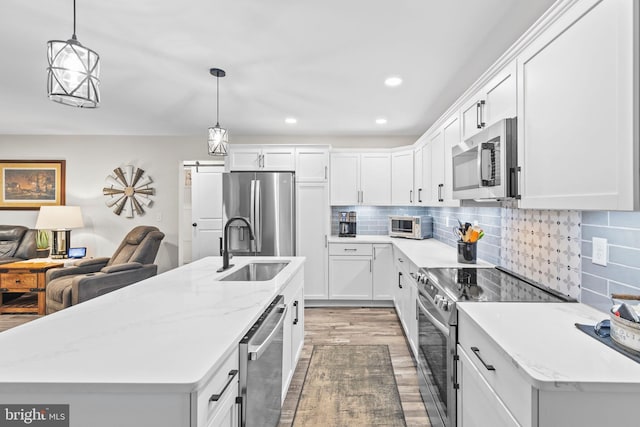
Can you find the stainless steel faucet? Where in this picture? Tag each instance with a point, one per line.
(225, 250)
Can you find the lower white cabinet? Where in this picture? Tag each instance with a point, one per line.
(293, 331)
(405, 295)
(383, 277)
(478, 404)
(361, 271)
(215, 403)
(350, 277)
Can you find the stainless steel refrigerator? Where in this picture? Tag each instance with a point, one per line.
(267, 201)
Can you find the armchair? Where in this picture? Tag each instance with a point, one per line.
(17, 243)
(86, 279)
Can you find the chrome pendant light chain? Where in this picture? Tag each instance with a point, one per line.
(73, 72)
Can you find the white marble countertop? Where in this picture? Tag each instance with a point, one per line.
(164, 333)
(429, 253)
(542, 340)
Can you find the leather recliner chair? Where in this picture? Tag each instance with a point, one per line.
(86, 279)
(17, 243)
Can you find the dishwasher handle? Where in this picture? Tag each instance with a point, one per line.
(255, 351)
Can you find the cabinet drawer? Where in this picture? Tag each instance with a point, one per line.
(19, 280)
(505, 378)
(350, 249)
(206, 408)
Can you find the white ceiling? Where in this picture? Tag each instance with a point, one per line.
(323, 62)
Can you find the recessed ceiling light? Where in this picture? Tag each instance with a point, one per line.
(291, 120)
(393, 81)
(381, 121)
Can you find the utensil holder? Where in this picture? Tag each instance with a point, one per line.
(467, 252)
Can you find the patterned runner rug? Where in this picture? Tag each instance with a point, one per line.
(349, 385)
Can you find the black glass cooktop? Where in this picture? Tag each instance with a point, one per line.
(490, 285)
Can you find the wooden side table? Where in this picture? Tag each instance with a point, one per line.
(28, 277)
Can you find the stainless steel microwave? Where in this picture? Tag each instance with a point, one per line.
(485, 165)
(411, 227)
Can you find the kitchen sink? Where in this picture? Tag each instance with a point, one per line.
(255, 272)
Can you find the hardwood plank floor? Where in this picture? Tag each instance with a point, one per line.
(8, 321)
(345, 325)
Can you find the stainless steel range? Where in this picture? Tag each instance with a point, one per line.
(438, 291)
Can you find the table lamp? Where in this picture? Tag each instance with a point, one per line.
(60, 220)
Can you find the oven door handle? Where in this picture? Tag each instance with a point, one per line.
(439, 326)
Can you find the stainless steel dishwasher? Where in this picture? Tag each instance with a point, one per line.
(261, 368)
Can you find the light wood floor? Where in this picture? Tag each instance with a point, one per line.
(359, 326)
(8, 321)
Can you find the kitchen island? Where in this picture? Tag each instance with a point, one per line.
(142, 355)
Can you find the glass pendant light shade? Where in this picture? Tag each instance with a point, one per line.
(218, 141)
(218, 137)
(74, 74)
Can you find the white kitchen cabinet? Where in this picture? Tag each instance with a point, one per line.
(426, 193)
(215, 403)
(312, 231)
(478, 404)
(261, 158)
(360, 178)
(375, 179)
(402, 192)
(350, 271)
(345, 179)
(576, 113)
(418, 174)
(495, 101)
(312, 163)
(436, 143)
(436, 157)
(383, 274)
(293, 332)
(405, 297)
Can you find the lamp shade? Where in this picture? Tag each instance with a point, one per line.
(59, 218)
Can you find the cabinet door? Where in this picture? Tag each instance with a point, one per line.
(472, 116)
(417, 176)
(478, 404)
(350, 277)
(500, 96)
(244, 158)
(437, 168)
(278, 158)
(428, 195)
(402, 178)
(451, 136)
(383, 277)
(227, 414)
(311, 236)
(411, 320)
(345, 179)
(576, 112)
(312, 164)
(375, 179)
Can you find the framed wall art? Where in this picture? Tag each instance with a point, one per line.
(29, 184)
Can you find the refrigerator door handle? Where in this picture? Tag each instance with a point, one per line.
(257, 219)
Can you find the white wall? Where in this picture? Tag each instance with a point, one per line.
(89, 159)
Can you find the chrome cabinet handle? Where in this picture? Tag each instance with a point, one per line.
(479, 119)
(440, 186)
(400, 259)
(400, 279)
(232, 375)
(476, 351)
(350, 249)
(482, 106)
(519, 170)
(326, 241)
(410, 196)
(326, 168)
(374, 253)
(370, 266)
(419, 195)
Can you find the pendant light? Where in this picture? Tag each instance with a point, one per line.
(73, 72)
(218, 137)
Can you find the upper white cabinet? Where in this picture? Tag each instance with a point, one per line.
(402, 192)
(312, 164)
(360, 178)
(256, 158)
(495, 101)
(576, 88)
